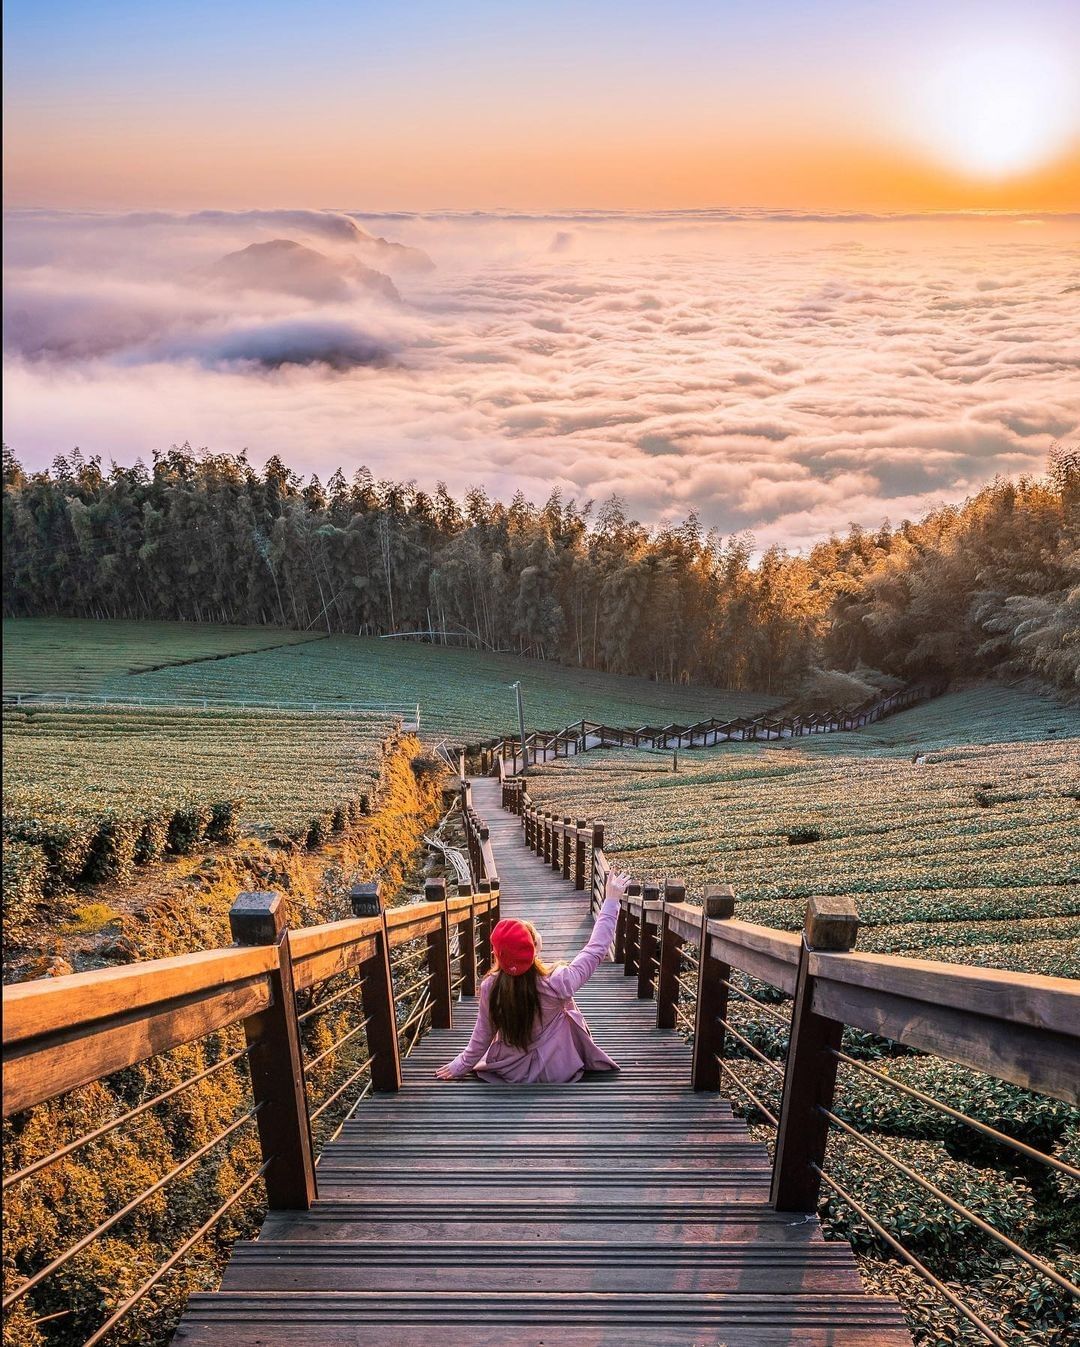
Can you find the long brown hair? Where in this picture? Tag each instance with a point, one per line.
(515, 1001)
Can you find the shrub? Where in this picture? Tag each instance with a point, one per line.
(25, 873)
(112, 850)
(832, 690)
(188, 826)
(224, 825)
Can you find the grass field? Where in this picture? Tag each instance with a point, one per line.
(44, 654)
(90, 793)
(463, 694)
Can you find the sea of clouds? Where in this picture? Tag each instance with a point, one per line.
(782, 373)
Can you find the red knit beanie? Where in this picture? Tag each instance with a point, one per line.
(513, 945)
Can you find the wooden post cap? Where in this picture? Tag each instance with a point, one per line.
(484, 834)
(719, 900)
(598, 835)
(674, 891)
(582, 823)
(366, 899)
(435, 891)
(464, 889)
(483, 886)
(832, 923)
(257, 918)
(651, 893)
(633, 889)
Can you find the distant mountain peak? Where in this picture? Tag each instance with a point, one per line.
(287, 267)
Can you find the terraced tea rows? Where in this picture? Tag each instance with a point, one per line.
(938, 848)
(72, 655)
(463, 694)
(89, 793)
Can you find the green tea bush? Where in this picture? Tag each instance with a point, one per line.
(25, 872)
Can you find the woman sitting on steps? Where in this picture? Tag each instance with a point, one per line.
(528, 1028)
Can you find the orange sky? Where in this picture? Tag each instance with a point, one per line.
(839, 105)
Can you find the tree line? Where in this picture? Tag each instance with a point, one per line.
(992, 585)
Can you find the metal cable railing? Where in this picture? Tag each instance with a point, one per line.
(72, 1146)
(102, 1227)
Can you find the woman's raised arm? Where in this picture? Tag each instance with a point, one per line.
(567, 981)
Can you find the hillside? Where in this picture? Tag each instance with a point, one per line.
(44, 654)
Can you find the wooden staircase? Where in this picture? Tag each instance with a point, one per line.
(625, 1209)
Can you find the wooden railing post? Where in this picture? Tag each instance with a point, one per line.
(648, 945)
(556, 839)
(667, 979)
(712, 995)
(596, 844)
(275, 1060)
(467, 941)
(483, 890)
(580, 844)
(438, 959)
(831, 924)
(568, 846)
(631, 935)
(377, 993)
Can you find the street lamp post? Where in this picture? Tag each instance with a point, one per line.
(521, 727)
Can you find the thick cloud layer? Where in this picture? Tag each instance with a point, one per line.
(775, 372)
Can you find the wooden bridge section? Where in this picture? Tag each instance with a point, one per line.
(624, 1208)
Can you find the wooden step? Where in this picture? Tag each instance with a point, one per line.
(356, 1318)
(524, 1222)
(292, 1265)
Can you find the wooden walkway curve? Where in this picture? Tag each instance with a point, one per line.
(622, 1210)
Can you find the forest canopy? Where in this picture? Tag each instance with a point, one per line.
(989, 586)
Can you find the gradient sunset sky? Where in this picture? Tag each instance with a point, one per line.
(525, 106)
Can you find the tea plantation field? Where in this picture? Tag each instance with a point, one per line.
(90, 793)
(966, 852)
(71, 655)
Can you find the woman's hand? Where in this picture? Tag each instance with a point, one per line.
(617, 884)
(444, 1072)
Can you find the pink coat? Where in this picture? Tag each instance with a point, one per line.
(562, 1047)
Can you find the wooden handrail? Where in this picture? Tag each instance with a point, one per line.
(541, 742)
(63, 1032)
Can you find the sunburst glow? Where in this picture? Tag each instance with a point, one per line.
(997, 110)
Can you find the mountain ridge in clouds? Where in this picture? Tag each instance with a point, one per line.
(290, 268)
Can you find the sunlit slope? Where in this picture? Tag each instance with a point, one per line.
(463, 694)
(44, 654)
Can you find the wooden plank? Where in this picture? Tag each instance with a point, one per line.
(1020, 998)
(52, 1005)
(1035, 1059)
(42, 1068)
(269, 1265)
(319, 952)
(771, 956)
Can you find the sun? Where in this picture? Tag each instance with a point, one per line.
(996, 110)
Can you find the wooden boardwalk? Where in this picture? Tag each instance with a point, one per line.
(622, 1210)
